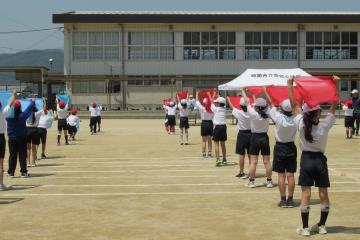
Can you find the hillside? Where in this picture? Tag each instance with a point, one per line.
(30, 58)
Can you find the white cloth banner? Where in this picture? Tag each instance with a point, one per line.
(263, 77)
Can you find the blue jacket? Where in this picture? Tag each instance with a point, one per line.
(17, 128)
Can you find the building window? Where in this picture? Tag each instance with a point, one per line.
(151, 46)
(270, 45)
(80, 87)
(96, 87)
(209, 45)
(115, 86)
(331, 45)
(96, 46)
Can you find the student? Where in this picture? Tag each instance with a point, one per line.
(184, 121)
(45, 122)
(171, 116)
(93, 117)
(16, 130)
(259, 141)
(3, 114)
(218, 107)
(285, 151)
(98, 113)
(348, 120)
(244, 135)
(207, 127)
(356, 112)
(73, 121)
(32, 135)
(62, 113)
(313, 164)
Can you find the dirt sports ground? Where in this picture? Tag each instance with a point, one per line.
(133, 181)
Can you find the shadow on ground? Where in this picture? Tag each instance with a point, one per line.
(10, 200)
(343, 229)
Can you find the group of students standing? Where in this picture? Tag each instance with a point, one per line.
(352, 115)
(253, 140)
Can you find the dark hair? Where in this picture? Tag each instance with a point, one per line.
(33, 115)
(184, 105)
(244, 108)
(350, 106)
(222, 104)
(261, 111)
(309, 122)
(17, 112)
(288, 114)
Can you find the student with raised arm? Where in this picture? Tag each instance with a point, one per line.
(62, 113)
(285, 151)
(16, 130)
(313, 163)
(45, 122)
(32, 135)
(171, 116)
(259, 141)
(183, 107)
(73, 122)
(244, 134)
(3, 114)
(207, 126)
(218, 107)
(93, 117)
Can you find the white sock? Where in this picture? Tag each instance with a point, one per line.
(187, 136)
(181, 137)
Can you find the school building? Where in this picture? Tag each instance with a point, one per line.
(135, 59)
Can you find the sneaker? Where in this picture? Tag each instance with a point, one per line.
(245, 176)
(218, 162)
(269, 184)
(43, 156)
(210, 155)
(10, 175)
(282, 204)
(290, 203)
(25, 175)
(186, 144)
(319, 229)
(224, 162)
(240, 175)
(250, 184)
(204, 155)
(181, 144)
(3, 187)
(303, 232)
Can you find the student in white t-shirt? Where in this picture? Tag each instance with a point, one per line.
(170, 109)
(207, 127)
(45, 122)
(183, 107)
(313, 133)
(99, 108)
(259, 141)
(348, 119)
(285, 151)
(73, 122)
(218, 107)
(62, 113)
(4, 110)
(93, 117)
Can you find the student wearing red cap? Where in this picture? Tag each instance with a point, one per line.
(3, 114)
(16, 130)
(348, 119)
(73, 121)
(62, 113)
(32, 135)
(285, 151)
(313, 163)
(184, 121)
(45, 122)
(93, 117)
(171, 116)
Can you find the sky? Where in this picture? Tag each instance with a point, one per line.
(18, 15)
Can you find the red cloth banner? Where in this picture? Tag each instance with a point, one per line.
(235, 101)
(182, 95)
(280, 93)
(167, 101)
(347, 102)
(203, 94)
(316, 90)
(254, 90)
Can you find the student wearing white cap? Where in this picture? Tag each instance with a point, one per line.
(285, 151)
(62, 113)
(244, 135)
(207, 127)
(3, 114)
(313, 164)
(32, 135)
(93, 117)
(184, 121)
(218, 107)
(45, 122)
(171, 116)
(356, 112)
(259, 141)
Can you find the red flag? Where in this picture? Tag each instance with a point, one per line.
(182, 95)
(316, 90)
(167, 101)
(347, 102)
(235, 101)
(204, 95)
(254, 90)
(280, 93)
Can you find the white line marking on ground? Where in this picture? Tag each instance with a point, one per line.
(345, 175)
(158, 193)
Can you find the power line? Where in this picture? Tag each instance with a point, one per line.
(31, 30)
